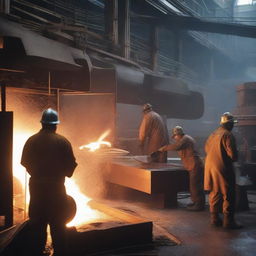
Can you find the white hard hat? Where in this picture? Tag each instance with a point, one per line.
(177, 130)
(227, 117)
(147, 107)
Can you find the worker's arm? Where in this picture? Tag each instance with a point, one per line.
(27, 157)
(174, 146)
(69, 161)
(230, 146)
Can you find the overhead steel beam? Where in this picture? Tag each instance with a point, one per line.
(192, 23)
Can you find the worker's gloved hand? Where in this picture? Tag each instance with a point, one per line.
(155, 154)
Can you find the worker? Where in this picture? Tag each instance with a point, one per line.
(48, 158)
(221, 152)
(153, 133)
(185, 145)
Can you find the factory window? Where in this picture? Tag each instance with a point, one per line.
(246, 2)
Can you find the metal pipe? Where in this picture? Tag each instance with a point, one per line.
(49, 83)
(58, 100)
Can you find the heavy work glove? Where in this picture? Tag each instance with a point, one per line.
(155, 154)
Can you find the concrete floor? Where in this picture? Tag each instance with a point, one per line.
(192, 229)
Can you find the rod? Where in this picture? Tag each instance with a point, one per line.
(3, 97)
(49, 83)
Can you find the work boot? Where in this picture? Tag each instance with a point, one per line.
(195, 208)
(190, 204)
(230, 223)
(216, 221)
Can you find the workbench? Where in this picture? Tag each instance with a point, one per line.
(162, 180)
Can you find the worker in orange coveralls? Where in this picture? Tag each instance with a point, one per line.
(221, 152)
(185, 145)
(48, 158)
(153, 133)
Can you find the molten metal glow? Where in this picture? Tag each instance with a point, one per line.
(19, 172)
(93, 146)
(84, 212)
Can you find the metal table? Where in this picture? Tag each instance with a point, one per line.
(162, 179)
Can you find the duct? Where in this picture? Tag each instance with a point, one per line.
(24, 49)
(171, 97)
(38, 50)
(46, 63)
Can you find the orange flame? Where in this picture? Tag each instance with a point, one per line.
(84, 212)
(93, 146)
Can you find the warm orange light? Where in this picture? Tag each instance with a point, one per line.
(19, 140)
(84, 212)
(1, 42)
(93, 146)
(19, 172)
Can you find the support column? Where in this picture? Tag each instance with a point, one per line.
(124, 27)
(5, 6)
(154, 47)
(178, 51)
(211, 68)
(111, 21)
(6, 177)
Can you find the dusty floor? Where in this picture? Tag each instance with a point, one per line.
(192, 229)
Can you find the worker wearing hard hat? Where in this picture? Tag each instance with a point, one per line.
(185, 145)
(221, 152)
(48, 158)
(153, 133)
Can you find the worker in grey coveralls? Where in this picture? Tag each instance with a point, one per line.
(48, 158)
(185, 145)
(153, 133)
(221, 152)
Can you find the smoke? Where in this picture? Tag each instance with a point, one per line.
(90, 173)
(84, 119)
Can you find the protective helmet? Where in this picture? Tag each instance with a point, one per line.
(227, 117)
(177, 130)
(147, 107)
(50, 116)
